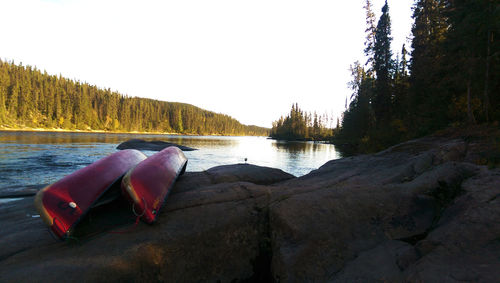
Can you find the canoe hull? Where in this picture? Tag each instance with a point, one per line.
(63, 204)
(148, 184)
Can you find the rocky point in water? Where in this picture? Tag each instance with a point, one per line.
(150, 145)
(420, 211)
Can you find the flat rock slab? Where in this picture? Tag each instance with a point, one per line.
(150, 145)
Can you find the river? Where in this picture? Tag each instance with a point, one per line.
(30, 159)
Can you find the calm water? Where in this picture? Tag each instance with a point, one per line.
(34, 158)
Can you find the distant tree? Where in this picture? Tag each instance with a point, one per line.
(358, 118)
(13, 98)
(3, 92)
(404, 62)
(300, 125)
(401, 87)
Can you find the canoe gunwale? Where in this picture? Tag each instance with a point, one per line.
(134, 196)
(169, 189)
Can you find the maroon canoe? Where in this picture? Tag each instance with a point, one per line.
(147, 185)
(63, 204)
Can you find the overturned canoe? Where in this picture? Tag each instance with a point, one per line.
(63, 204)
(147, 185)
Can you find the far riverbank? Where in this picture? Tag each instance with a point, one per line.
(60, 130)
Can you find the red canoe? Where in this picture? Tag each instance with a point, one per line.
(148, 184)
(63, 204)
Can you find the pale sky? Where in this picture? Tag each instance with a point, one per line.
(248, 59)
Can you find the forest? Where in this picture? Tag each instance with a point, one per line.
(30, 98)
(301, 125)
(449, 78)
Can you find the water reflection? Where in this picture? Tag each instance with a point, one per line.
(303, 147)
(303, 157)
(90, 139)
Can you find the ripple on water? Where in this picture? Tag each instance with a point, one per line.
(7, 200)
(30, 159)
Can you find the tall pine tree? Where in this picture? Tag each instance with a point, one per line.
(370, 32)
(427, 99)
(383, 66)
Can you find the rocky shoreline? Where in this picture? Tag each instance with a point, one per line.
(421, 211)
(150, 145)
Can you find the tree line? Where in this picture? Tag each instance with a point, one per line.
(34, 99)
(301, 125)
(450, 77)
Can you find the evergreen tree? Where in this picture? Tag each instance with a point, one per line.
(468, 50)
(370, 32)
(13, 98)
(449, 80)
(428, 100)
(401, 86)
(300, 125)
(3, 92)
(383, 66)
(358, 118)
(404, 62)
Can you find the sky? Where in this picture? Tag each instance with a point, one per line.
(249, 59)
